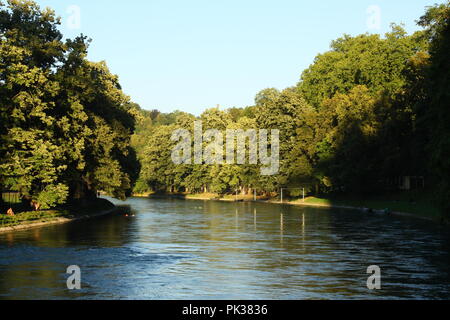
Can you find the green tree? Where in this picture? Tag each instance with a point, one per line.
(30, 49)
(65, 123)
(437, 23)
(281, 111)
(368, 60)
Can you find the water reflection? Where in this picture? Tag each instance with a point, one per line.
(174, 249)
(303, 231)
(282, 229)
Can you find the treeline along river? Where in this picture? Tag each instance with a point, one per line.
(175, 249)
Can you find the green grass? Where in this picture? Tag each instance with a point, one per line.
(423, 206)
(206, 196)
(31, 217)
(316, 201)
(72, 211)
(227, 197)
(416, 203)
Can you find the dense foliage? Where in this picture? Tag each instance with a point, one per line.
(65, 123)
(369, 111)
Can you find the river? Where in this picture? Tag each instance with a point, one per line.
(177, 249)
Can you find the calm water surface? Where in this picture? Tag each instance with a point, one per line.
(175, 249)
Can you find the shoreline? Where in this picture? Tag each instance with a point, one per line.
(300, 204)
(378, 212)
(64, 220)
(56, 221)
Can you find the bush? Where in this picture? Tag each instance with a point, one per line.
(43, 216)
(53, 195)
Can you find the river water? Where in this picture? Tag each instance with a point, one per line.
(176, 249)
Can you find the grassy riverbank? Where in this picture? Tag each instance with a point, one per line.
(26, 220)
(420, 206)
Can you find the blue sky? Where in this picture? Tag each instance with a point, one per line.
(196, 54)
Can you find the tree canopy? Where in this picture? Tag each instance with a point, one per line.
(65, 122)
(371, 109)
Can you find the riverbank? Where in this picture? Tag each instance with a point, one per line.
(382, 208)
(37, 219)
(421, 209)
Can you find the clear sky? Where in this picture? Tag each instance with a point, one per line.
(195, 54)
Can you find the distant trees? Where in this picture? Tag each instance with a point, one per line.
(65, 123)
(370, 60)
(371, 109)
(368, 96)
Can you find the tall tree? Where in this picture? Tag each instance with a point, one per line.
(65, 123)
(437, 24)
(367, 59)
(30, 50)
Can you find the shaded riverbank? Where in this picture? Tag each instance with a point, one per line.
(30, 220)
